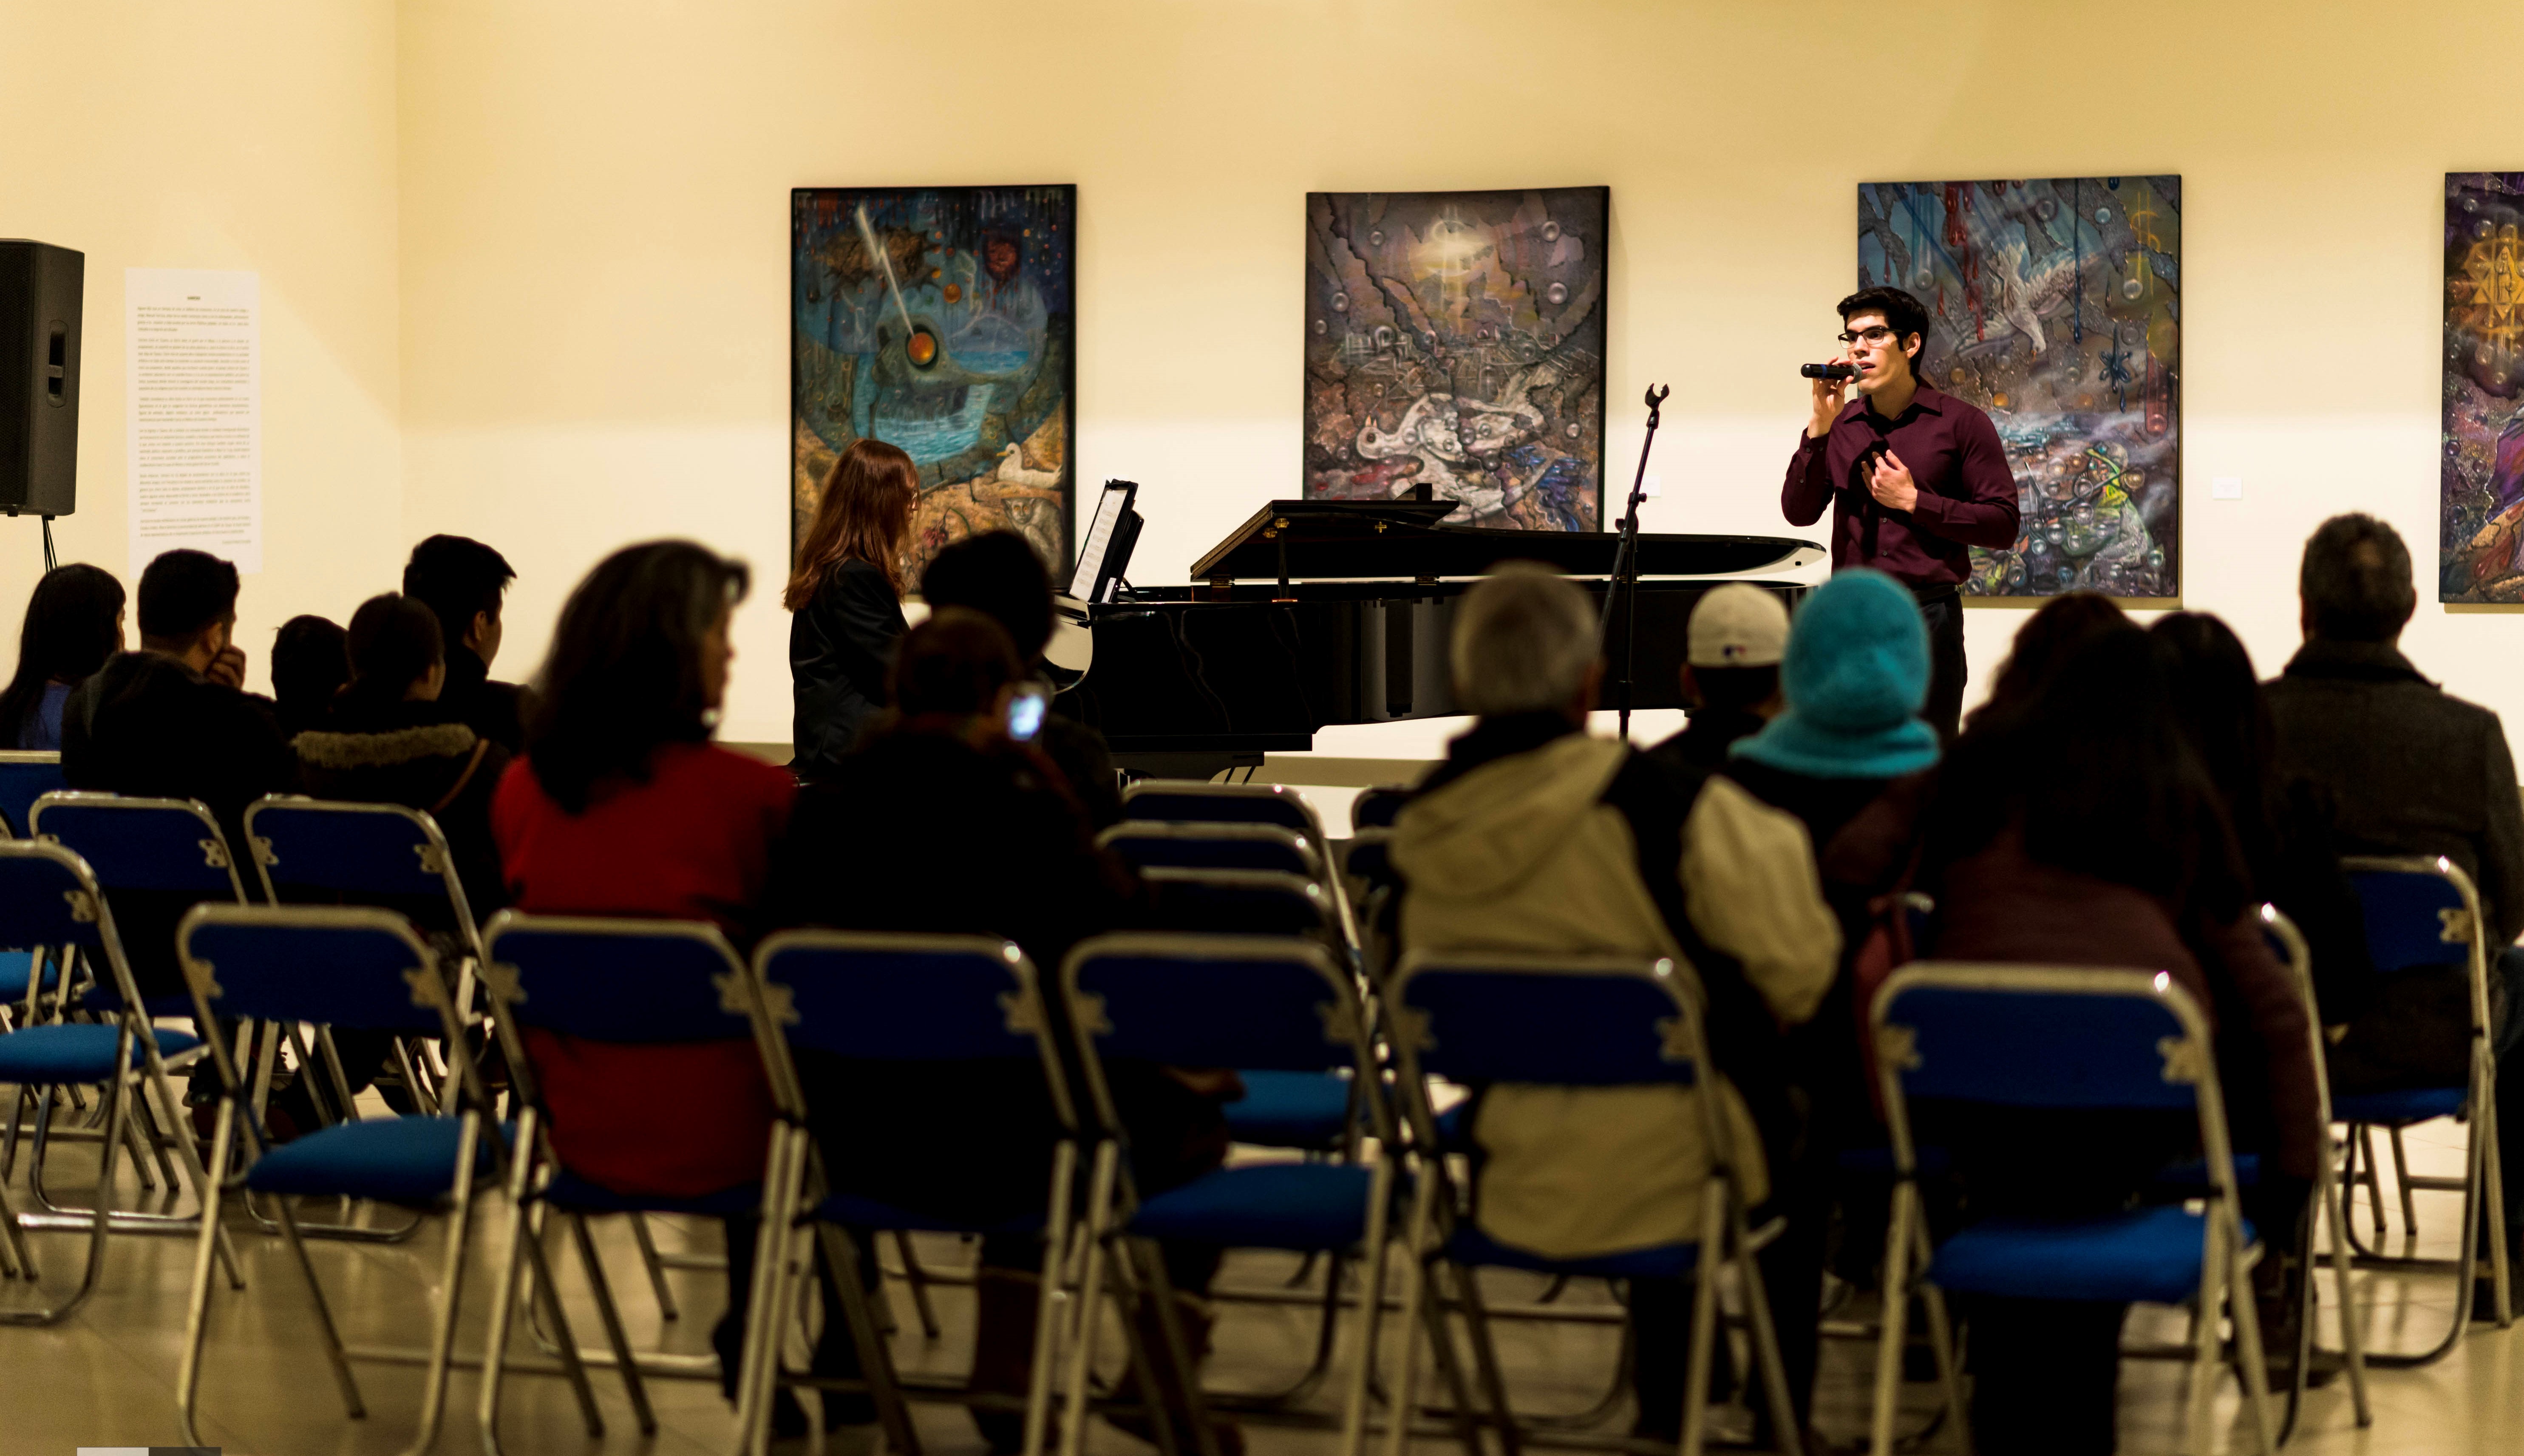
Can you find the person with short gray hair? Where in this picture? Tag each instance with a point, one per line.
(2412, 770)
(1534, 836)
(1525, 641)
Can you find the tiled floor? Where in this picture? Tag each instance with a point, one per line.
(107, 1377)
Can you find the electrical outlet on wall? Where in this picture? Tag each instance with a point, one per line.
(1653, 487)
(2226, 487)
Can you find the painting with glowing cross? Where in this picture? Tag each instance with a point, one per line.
(1455, 340)
(940, 320)
(2055, 305)
(2481, 522)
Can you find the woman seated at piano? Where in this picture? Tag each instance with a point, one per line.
(847, 600)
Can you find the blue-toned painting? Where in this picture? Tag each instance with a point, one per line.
(2055, 305)
(1456, 340)
(942, 319)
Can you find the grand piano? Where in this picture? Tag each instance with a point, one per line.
(1320, 613)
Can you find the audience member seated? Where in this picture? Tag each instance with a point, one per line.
(1534, 837)
(464, 582)
(846, 596)
(74, 624)
(2048, 638)
(310, 663)
(391, 739)
(621, 806)
(2283, 822)
(998, 575)
(1730, 674)
(2074, 826)
(169, 721)
(940, 822)
(1855, 679)
(2412, 772)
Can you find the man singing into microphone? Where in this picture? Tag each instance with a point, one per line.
(1915, 477)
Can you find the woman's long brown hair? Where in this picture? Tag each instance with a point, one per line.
(864, 515)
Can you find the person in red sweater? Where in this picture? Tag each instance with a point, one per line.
(623, 805)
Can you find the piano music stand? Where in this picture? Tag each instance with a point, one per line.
(1625, 569)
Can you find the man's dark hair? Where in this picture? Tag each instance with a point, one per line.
(184, 590)
(1904, 314)
(1736, 688)
(2355, 581)
(998, 575)
(955, 662)
(457, 576)
(310, 660)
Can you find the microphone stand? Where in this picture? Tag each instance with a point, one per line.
(1626, 568)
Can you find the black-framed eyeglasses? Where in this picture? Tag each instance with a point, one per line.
(1876, 335)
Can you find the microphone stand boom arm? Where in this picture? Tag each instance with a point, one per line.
(1626, 570)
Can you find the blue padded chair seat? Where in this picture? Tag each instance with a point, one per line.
(1290, 1109)
(392, 1160)
(2400, 1109)
(43, 1055)
(576, 1194)
(1303, 1207)
(2149, 1255)
(869, 1213)
(1472, 1247)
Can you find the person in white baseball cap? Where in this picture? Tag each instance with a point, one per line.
(1730, 675)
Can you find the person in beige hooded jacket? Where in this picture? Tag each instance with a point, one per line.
(1534, 837)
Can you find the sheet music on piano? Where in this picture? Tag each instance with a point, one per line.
(1095, 574)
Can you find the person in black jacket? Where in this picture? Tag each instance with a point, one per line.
(169, 721)
(393, 739)
(998, 574)
(846, 595)
(311, 664)
(939, 822)
(464, 582)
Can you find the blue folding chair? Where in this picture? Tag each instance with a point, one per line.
(320, 851)
(1282, 1006)
(2298, 958)
(1196, 802)
(49, 896)
(889, 998)
(257, 968)
(2041, 1036)
(1254, 846)
(317, 851)
(1313, 1111)
(24, 777)
(2424, 913)
(1572, 1022)
(612, 981)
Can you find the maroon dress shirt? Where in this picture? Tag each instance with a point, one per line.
(1967, 492)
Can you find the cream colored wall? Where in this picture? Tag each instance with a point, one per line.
(257, 136)
(557, 233)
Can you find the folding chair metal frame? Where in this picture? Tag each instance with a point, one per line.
(430, 991)
(1112, 1201)
(1725, 1238)
(87, 906)
(532, 1163)
(2189, 1059)
(796, 1186)
(2481, 1183)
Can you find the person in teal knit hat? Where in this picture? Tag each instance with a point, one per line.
(1855, 676)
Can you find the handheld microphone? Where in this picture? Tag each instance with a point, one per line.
(1827, 371)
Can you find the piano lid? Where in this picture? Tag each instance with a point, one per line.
(1336, 540)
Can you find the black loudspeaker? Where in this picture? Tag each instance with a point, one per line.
(40, 287)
